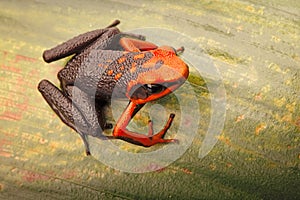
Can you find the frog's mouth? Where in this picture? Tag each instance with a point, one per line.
(149, 92)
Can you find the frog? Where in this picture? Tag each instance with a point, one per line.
(104, 62)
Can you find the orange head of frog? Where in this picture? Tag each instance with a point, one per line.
(165, 73)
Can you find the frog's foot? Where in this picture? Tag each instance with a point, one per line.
(145, 140)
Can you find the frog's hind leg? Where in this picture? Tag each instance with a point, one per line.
(133, 35)
(135, 45)
(66, 110)
(92, 111)
(102, 110)
(77, 44)
(115, 23)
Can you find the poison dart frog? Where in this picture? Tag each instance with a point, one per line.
(105, 61)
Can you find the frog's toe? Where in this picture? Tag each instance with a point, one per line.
(169, 141)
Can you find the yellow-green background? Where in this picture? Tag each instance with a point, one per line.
(255, 46)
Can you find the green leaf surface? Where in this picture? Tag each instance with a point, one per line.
(253, 44)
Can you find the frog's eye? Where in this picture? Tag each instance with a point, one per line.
(154, 88)
(146, 90)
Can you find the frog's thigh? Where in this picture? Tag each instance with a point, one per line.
(74, 45)
(86, 105)
(61, 104)
(66, 111)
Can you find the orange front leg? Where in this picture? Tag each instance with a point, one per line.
(121, 132)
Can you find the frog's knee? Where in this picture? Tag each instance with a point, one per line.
(44, 85)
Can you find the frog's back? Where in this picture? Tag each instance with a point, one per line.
(102, 72)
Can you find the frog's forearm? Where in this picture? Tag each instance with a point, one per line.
(121, 132)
